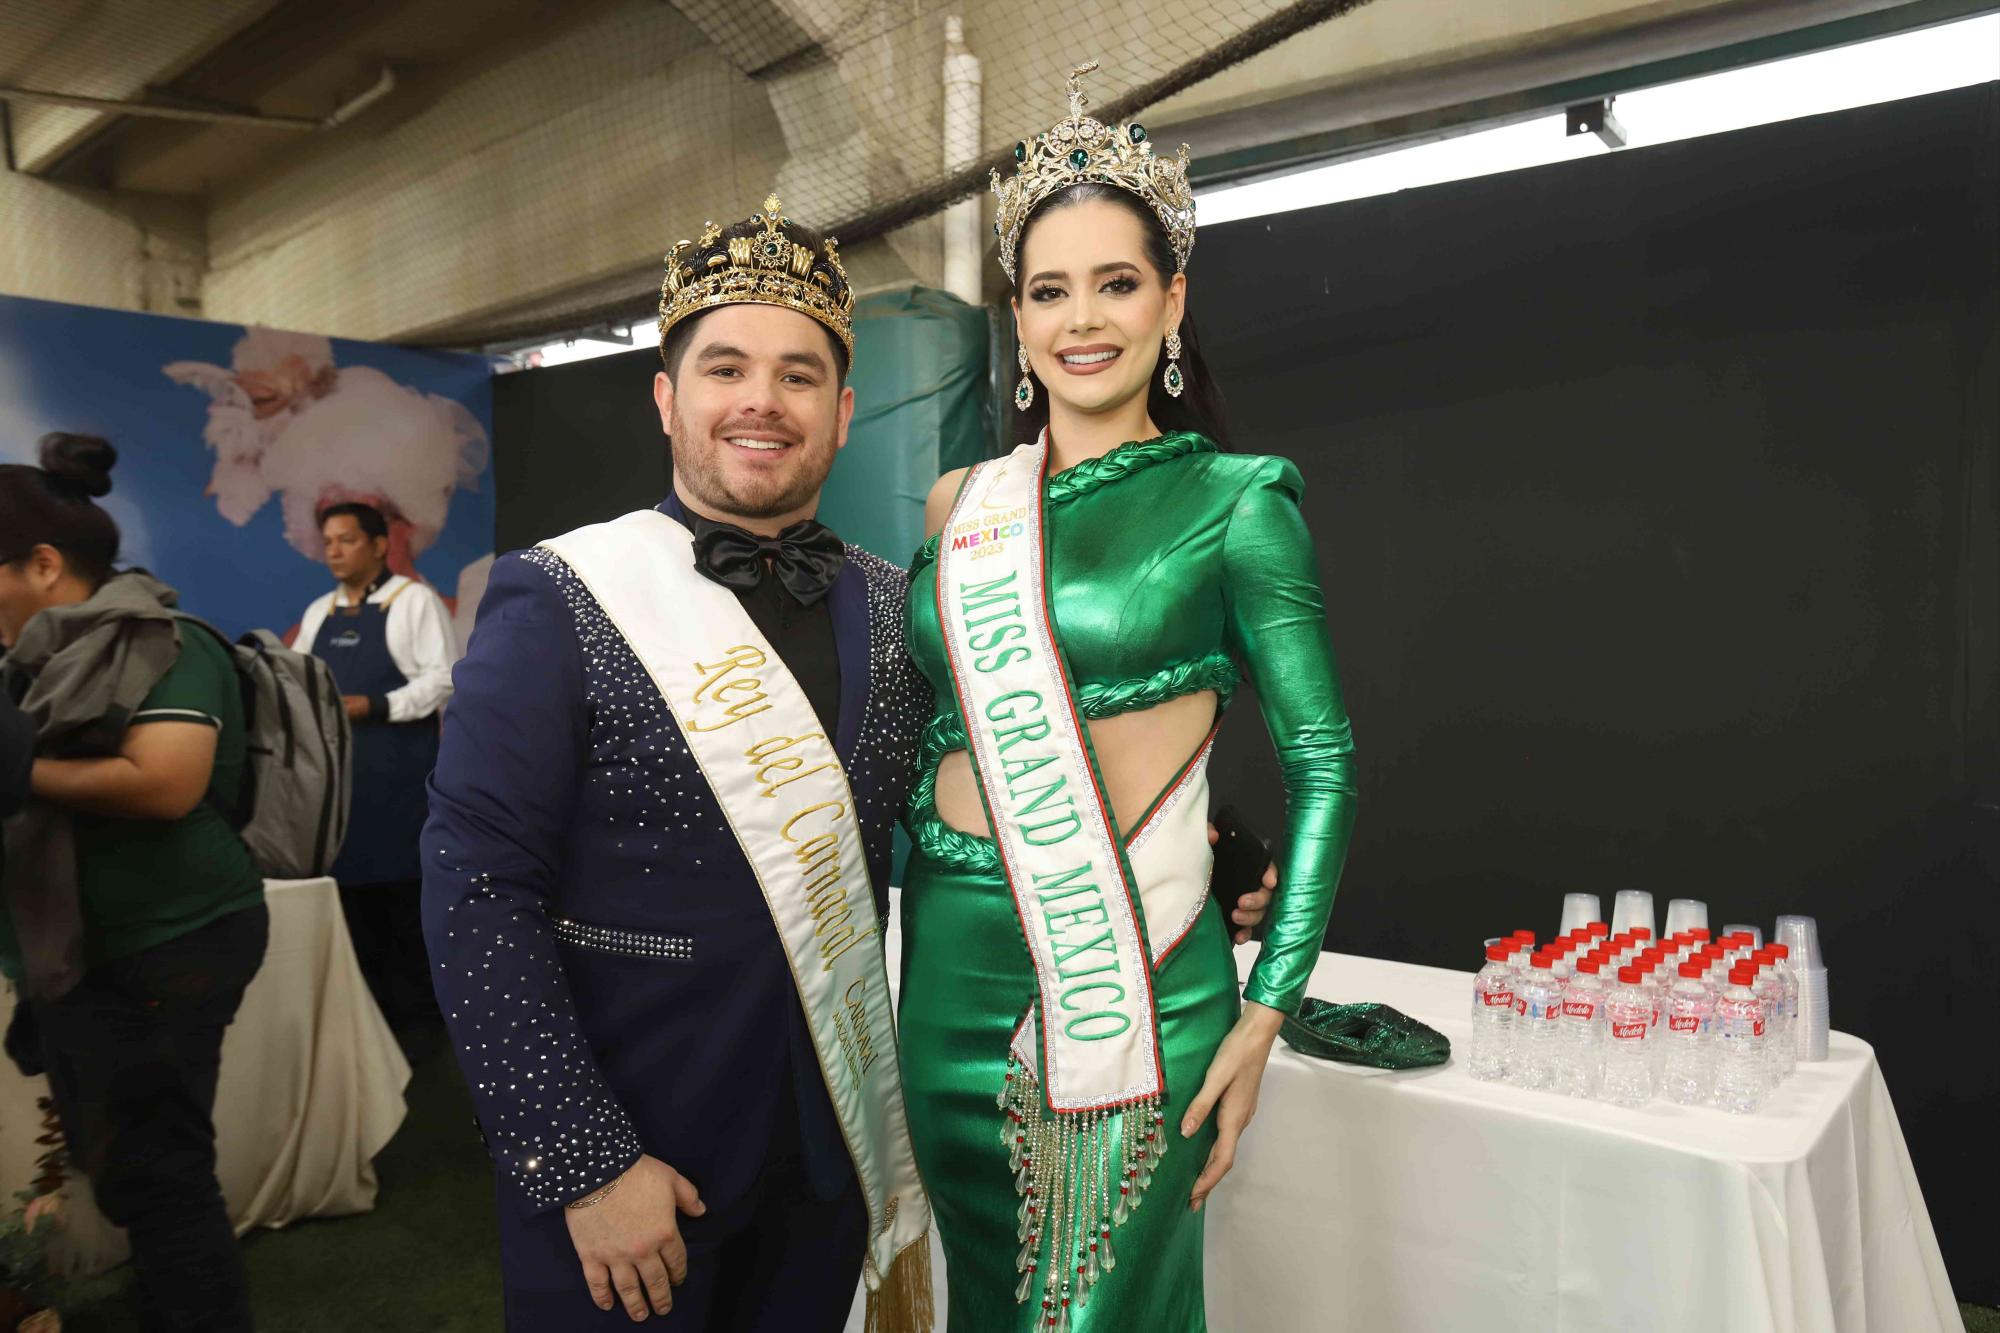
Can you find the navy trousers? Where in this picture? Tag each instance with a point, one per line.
(790, 1263)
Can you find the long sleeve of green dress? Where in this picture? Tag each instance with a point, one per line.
(1276, 627)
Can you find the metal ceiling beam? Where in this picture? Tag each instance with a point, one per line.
(382, 87)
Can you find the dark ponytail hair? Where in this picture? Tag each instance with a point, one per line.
(1199, 408)
(51, 505)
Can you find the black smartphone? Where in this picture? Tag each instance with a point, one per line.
(1241, 858)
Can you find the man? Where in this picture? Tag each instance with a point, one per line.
(388, 640)
(658, 849)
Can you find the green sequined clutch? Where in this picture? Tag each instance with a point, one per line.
(1364, 1034)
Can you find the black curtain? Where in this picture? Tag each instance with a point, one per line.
(576, 444)
(1655, 500)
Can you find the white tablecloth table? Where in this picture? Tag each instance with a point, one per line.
(1428, 1202)
(311, 1088)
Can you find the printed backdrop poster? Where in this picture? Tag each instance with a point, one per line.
(230, 439)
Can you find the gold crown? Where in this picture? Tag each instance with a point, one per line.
(760, 262)
(1082, 149)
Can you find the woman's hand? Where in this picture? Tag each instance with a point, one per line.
(1230, 1090)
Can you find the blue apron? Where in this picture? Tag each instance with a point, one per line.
(391, 759)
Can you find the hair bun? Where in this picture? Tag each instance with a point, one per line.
(79, 463)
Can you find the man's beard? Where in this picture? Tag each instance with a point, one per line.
(699, 468)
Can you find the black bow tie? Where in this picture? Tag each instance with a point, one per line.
(805, 556)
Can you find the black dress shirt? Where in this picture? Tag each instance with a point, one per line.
(801, 635)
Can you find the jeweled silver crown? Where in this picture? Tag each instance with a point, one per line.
(1082, 149)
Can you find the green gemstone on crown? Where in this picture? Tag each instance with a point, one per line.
(1138, 132)
(1020, 152)
(1079, 159)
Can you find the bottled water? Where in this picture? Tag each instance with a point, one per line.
(1628, 1073)
(1686, 1074)
(1739, 1056)
(1791, 1015)
(1492, 1015)
(1538, 1007)
(1583, 1028)
(1517, 971)
(1651, 981)
(1770, 988)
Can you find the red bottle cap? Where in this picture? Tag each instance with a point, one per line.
(1598, 929)
(1740, 975)
(1642, 932)
(1693, 968)
(1780, 950)
(1497, 953)
(1700, 933)
(1542, 959)
(1591, 963)
(1629, 975)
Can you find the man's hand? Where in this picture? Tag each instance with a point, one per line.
(630, 1243)
(356, 706)
(1252, 907)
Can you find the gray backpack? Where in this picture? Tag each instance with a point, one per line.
(292, 811)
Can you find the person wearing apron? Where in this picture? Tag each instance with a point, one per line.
(388, 641)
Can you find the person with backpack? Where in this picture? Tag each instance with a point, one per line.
(388, 639)
(134, 914)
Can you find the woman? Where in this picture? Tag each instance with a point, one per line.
(134, 917)
(1069, 816)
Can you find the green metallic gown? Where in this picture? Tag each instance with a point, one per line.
(1171, 563)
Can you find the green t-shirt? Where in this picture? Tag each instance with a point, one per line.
(146, 881)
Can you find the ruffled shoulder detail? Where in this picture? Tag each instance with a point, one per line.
(1133, 456)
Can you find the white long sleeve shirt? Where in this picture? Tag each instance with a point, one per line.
(420, 643)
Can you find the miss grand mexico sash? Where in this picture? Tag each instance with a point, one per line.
(1089, 1048)
(781, 786)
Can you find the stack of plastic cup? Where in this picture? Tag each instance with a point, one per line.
(1579, 910)
(1632, 907)
(1800, 936)
(1756, 934)
(1685, 914)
